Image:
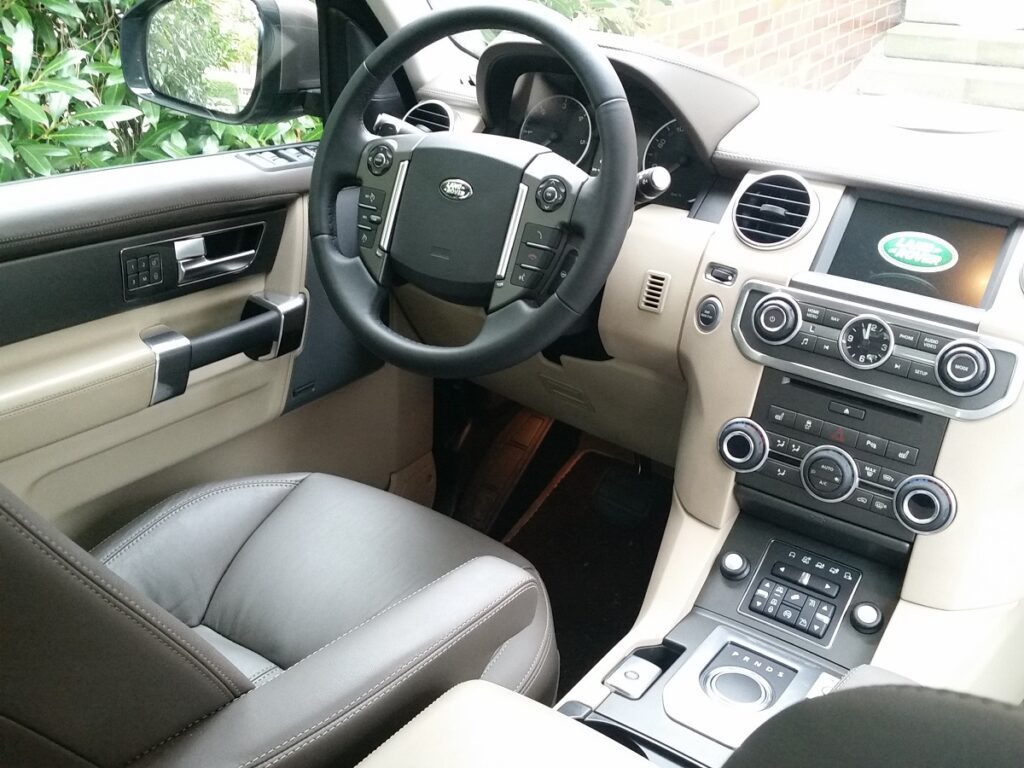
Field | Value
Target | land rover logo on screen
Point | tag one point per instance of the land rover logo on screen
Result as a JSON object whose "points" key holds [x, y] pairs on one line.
{"points": [[918, 252], [456, 189]]}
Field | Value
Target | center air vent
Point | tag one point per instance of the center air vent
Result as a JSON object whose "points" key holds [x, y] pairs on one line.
{"points": [[433, 115], [775, 209]]}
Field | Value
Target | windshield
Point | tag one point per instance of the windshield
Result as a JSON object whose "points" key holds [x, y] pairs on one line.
{"points": [[954, 50]]}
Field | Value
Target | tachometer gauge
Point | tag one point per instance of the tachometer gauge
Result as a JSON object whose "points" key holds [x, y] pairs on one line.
{"points": [[866, 342], [560, 123]]}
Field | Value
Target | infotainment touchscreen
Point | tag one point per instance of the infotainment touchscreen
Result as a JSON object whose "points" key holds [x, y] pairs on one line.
{"points": [[932, 254]]}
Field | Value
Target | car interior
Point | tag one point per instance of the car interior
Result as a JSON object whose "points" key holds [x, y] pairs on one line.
{"points": [[569, 401]]}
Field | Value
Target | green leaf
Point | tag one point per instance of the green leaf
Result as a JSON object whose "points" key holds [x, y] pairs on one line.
{"points": [[72, 86], [152, 154], [3, 120], [151, 112], [64, 8], [84, 136], [106, 113], [6, 150], [34, 155], [22, 42], [62, 60], [29, 110], [20, 13]]}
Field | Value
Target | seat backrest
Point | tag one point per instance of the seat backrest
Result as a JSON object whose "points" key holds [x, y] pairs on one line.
{"points": [[92, 673], [883, 726]]}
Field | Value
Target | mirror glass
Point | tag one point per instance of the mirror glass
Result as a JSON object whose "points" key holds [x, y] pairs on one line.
{"points": [[205, 52]]}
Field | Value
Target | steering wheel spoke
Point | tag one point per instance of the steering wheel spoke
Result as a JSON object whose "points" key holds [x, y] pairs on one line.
{"points": [[532, 263]]}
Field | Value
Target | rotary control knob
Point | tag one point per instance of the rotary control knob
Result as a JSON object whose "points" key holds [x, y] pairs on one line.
{"points": [[924, 504], [776, 318], [965, 368], [829, 474], [743, 445]]}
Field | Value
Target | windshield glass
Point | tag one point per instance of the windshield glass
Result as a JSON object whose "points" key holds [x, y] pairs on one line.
{"points": [[954, 50]]}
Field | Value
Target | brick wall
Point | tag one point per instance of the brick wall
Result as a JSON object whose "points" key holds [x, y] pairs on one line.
{"points": [[803, 43]]}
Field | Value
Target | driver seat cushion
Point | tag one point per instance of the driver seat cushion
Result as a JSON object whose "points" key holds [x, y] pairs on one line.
{"points": [[334, 611]]}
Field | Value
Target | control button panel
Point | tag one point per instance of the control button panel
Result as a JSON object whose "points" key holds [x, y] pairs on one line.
{"points": [[800, 590], [896, 358], [842, 457]]}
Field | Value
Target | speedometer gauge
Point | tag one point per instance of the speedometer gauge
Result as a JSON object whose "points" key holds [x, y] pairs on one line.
{"points": [[670, 148], [560, 123]]}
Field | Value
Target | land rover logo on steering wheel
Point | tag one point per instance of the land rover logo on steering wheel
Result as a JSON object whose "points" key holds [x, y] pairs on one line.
{"points": [[456, 189]]}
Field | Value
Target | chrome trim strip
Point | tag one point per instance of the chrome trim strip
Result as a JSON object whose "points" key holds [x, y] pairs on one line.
{"points": [[396, 195], [173, 353], [872, 390], [513, 230]]}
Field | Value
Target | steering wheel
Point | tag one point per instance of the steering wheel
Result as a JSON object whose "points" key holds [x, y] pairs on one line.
{"points": [[472, 218]]}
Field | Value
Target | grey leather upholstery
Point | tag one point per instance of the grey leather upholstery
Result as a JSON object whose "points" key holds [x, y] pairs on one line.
{"points": [[296, 619]]}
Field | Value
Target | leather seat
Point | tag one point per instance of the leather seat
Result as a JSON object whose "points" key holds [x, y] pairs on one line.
{"points": [[290, 619]]}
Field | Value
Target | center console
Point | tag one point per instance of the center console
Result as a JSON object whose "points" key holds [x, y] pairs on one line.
{"points": [[864, 361]]}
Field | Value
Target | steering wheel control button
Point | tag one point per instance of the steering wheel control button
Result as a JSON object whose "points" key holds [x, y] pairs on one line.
{"points": [[965, 368], [380, 159], [743, 445], [371, 199], [535, 258], [709, 314], [866, 618], [734, 566], [524, 277], [633, 677], [542, 237], [924, 504], [551, 194], [776, 319], [829, 474]]}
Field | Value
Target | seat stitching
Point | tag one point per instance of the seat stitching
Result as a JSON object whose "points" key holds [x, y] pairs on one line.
{"points": [[224, 678], [184, 504], [404, 672], [218, 684], [261, 672], [381, 613], [544, 645], [540, 651], [495, 657], [241, 546], [271, 671]]}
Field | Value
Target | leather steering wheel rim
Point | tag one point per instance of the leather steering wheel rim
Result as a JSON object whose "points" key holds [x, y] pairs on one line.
{"points": [[600, 216]]}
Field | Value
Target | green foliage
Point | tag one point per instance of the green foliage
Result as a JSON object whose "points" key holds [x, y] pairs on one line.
{"points": [[64, 105], [622, 17]]}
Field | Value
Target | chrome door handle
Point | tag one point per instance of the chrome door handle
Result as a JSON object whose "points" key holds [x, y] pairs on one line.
{"points": [[194, 264]]}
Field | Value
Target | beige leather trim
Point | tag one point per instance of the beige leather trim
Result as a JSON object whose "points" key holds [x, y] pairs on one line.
{"points": [[688, 551], [50, 390], [102, 438], [664, 240], [479, 723], [974, 651]]}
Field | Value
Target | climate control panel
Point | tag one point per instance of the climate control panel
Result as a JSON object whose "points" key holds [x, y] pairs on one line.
{"points": [[905, 360], [847, 457]]}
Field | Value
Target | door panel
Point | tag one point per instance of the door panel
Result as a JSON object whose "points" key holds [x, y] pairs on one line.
{"points": [[76, 425]]}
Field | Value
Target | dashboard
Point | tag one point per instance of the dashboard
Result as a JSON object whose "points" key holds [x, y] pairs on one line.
{"points": [[550, 108]]}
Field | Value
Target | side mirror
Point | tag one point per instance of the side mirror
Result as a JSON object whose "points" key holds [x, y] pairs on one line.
{"points": [[236, 61]]}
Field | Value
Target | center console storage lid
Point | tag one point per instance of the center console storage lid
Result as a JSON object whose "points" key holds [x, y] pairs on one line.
{"points": [[479, 723]]}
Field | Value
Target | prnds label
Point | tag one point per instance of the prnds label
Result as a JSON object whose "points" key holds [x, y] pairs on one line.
{"points": [[918, 252]]}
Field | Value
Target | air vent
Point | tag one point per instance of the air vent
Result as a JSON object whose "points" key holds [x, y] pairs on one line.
{"points": [[433, 115], [654, 292], [776, 209]]}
